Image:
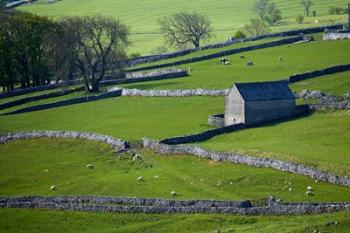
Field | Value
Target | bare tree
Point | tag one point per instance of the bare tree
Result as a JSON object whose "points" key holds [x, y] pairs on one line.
{"points": [[185, 28], [261, 7], [273, 14], [99, 46], [256, 27], [306, 4]]}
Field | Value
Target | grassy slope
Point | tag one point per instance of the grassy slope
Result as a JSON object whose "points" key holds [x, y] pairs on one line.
{"points": [[142, 16], [129, 118], [337, 84], [23, 165], [297, 58], [75, 222], [320, 140]]}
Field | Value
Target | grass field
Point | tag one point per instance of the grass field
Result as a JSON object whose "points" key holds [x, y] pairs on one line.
{"points": [[336, 84], [297, 58], [141, 16], [23, 165], [72, 222], [320, 140], [129, 118]]}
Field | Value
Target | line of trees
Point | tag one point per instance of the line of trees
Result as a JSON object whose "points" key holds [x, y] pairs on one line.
{"points": [[35, 50]]}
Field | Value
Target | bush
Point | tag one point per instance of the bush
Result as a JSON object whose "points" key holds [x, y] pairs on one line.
{"points": [[300, 19], [334, 10], [134, 55], [239, 34]]}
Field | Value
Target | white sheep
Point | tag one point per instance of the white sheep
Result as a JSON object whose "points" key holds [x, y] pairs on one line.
{"points": [[173, 193], [53, 187], [90, 166], [140, 178]]}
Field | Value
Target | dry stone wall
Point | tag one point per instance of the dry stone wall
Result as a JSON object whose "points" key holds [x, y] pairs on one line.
{"points": [[159, 206], [300, 169], [173, 93], [117, 144], [318, 73], [38, 97], [336, 36], [67, 102]]}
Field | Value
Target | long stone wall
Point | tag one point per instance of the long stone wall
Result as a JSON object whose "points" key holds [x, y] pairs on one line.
{"points": [[157, 57], [223, 53], [300, 169], [336, 36], [67, 102], [173, 93], [160, 206], [318, 73], [117, 144], [330, 105], [132, 77], [202, 136], [38, 97]]}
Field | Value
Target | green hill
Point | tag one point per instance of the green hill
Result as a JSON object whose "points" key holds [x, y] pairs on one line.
{"points": [[142, 16]]}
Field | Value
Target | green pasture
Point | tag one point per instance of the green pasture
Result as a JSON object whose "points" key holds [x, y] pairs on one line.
{"points": [[297, 58], [30, 167], [129, 118], [76, 222], [319, 140], [336, 84], [141, 16]]}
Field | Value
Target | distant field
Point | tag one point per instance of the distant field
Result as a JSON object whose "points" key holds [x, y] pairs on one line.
{"points": [[34, 221], [142, 16], [297, 58]]}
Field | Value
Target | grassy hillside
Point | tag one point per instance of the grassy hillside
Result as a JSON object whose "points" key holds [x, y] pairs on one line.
{"points": [[75, 222], [23, 165], [297, 58], [129, 118], [142, 16], [319, 140]]}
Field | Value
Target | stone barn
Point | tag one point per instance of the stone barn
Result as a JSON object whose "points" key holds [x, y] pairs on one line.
{"points": [[255, 103]]}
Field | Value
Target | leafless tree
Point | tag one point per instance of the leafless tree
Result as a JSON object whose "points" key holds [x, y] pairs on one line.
{"points": [[256, 27], [99, 46], [306, 4], [261, 7], [185, 28]]}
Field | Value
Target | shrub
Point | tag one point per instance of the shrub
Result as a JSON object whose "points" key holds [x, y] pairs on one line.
{"points": [[300, 19], [239, 34], [334, 10]]}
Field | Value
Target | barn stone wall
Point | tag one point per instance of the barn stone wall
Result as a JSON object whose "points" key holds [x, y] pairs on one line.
{"points": [[258, 112], [234, 107]]}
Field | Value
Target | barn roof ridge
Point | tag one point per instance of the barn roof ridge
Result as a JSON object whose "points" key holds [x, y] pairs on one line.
{"points": [[264, 91]]}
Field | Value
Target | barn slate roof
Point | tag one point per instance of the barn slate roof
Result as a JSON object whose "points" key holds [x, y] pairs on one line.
{"points": [[264, 91]]}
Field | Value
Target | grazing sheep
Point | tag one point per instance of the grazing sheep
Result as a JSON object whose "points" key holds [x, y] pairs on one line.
{"points": [[280, 58], [156, 176], [250, 63], [309, 193], [309, 188], [140, 179], [137, 157], [46, 170], [90, 166], [173, 193], [242, 57], [290, 189], [53, 188]]}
